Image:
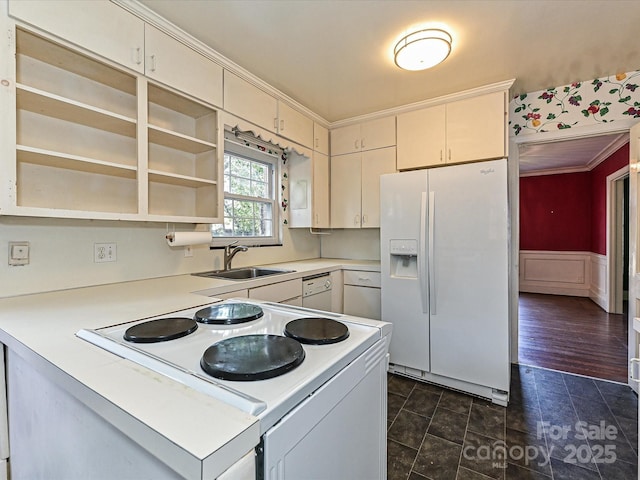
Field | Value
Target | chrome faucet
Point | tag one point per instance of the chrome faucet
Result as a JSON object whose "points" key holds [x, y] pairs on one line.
{"points": [[229, 253]]}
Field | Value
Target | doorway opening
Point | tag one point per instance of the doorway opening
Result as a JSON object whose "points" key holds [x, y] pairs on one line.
{"points": [[571, 299]]}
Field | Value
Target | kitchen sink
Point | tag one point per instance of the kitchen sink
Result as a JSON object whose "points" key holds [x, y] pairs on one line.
{"points": [[245, 273]]}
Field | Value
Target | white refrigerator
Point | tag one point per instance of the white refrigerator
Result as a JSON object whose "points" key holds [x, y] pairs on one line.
{"points": [[445, 242]]}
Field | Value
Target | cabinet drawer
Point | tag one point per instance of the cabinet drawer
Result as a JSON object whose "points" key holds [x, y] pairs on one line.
{"points": [[362, 278], [277, 292]]}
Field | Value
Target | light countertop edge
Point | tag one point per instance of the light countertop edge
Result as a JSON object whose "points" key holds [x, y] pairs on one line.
{"points": [[96, 377]]}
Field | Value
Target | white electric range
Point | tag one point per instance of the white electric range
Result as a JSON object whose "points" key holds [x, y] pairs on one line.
{"points": [[327, 396]]}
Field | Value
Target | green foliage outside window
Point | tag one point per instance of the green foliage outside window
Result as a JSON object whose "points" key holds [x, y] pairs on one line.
{"points": [[249, 203]]}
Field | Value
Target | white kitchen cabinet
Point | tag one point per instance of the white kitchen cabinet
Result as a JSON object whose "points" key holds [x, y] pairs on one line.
{"points": [[278, 292], [321, 188], [294, 125], [320, 139], [118, 35], [308, 190], [368, 135], [88, 147], [175, 64], [258, 107], [249, 102], [421, 137], [362, 294], [355, 187], [460, 131]]}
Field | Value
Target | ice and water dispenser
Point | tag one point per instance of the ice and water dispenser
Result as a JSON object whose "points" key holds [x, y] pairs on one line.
{"points": [[404, 258]]}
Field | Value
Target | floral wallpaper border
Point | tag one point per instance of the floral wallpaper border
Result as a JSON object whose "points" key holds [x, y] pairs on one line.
{"points": [[602, 100]]}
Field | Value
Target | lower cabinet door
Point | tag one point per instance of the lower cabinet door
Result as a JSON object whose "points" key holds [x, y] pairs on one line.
{"points": [[362, 302]]}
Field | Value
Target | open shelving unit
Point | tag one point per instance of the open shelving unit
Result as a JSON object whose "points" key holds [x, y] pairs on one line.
{"points": [[183, 155], [95, 141], [76, 131]]}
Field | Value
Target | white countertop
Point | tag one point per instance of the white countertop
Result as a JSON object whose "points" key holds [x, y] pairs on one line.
{"points": [[41, 328]]}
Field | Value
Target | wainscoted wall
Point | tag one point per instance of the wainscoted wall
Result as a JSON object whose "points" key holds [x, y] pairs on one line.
{"points": [[560, 273], [578, 274]]}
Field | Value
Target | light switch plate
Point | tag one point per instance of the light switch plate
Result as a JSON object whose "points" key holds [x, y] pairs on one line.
{"points": [[18, 253]]}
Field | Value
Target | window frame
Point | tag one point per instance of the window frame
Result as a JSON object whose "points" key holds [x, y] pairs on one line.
{"points": [[253, 154]]}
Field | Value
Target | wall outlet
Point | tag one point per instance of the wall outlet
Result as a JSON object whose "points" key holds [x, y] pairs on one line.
{"points": [[104, 252], [188, 251]]}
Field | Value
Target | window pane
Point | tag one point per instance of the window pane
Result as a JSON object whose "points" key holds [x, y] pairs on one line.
{"points": [[241, 167], [265, 211], [260, 190], [259, 172], [252, 215], [240, 186]]}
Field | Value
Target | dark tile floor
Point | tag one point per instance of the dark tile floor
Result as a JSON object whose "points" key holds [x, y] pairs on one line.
{"points": [[557, 426]]}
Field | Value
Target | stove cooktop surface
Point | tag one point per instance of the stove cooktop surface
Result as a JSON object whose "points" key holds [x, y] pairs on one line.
{"points": [[267, 398]]}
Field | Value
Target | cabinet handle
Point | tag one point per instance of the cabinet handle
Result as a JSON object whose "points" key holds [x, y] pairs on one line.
{"points": [[364, 279], [441, 155], [362, 143], [355, 144], [137, 58], [275, 123], [282, 125], [153, 63], [364, 219], [356, 220], [317, 143], [449, 154], [316, 218]]}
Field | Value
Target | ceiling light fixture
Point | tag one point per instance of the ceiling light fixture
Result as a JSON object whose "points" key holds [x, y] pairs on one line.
{"points": [[422, 49]]}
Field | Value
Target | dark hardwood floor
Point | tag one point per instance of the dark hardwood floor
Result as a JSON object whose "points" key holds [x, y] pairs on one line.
{"points": [[572, 334]]}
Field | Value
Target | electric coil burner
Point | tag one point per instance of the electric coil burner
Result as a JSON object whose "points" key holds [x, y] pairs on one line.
{"points": [[228, 314], [161, 330], [252, 357], [316, 330]]}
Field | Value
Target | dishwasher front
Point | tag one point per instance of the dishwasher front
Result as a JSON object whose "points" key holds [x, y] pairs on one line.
{"points": [[316, 292]]}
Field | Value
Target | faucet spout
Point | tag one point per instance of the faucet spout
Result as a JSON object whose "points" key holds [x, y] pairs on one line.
{"points": [[229, 253]]}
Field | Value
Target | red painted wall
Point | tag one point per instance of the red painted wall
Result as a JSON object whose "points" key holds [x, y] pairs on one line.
{"points": [[555, 212], [567, 212], [599, 197]]}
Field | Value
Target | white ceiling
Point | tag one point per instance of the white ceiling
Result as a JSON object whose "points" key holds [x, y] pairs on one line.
{"points": [[334, 56], [581, 154]]}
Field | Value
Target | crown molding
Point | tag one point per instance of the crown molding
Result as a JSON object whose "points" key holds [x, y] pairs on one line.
{"points": [[152, 18], [431, 102]]}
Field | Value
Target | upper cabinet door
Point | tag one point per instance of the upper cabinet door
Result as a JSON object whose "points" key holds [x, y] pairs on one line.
{"points": [[294, 125], [369, 135], [320, 139], [345, 139], [177, 65], [374, 164], [476, 128], [320, 218], [421, 138], [117, 36], [249, 102], [378, 133], [345, 191]]}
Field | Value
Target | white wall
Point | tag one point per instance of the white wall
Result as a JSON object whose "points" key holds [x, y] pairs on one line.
{"points": [[62, 253], [356, 244]]}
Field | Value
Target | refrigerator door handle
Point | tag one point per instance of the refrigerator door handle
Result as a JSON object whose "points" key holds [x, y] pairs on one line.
{"points": [[432, 267], [423, 266]]}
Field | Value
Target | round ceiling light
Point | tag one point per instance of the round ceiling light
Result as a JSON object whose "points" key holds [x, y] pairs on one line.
{"points": [[422, 49]]}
